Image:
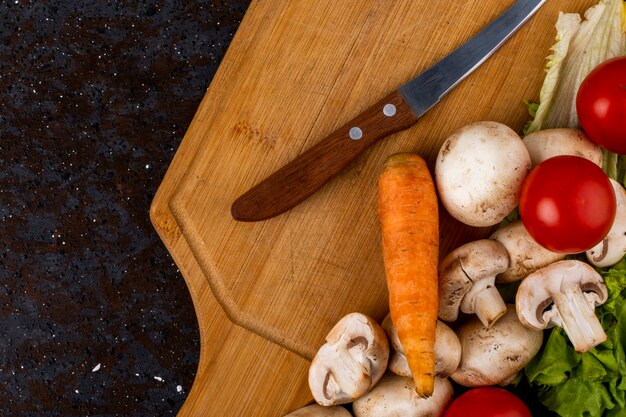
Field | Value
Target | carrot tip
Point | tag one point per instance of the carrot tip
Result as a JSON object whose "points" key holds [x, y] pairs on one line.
{"points": [[423, 395]]}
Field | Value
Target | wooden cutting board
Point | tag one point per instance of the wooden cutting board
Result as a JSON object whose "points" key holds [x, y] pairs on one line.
{"points": [[267, 293]]}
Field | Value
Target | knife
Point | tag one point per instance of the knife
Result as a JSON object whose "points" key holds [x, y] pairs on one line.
{"points": [[308, 172]]}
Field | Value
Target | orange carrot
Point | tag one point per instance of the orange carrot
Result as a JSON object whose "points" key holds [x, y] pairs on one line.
{"points": [[408, 212]]}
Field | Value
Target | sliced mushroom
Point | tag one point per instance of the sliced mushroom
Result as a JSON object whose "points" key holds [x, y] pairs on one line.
{"points": [[544, 144], [613, 247], [395, 396], [447, 350], [467, 281], [479, 173], [316, 410], [494, 356], [525, 254], [351, 362], [564, 294]]}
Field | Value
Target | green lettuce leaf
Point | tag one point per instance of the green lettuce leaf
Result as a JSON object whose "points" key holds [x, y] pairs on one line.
{"points": [[618, 392], [578, 397], [592, 369], [554, 364]]}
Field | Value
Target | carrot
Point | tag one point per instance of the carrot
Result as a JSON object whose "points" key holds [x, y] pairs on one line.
{"points": [[408, 212]]}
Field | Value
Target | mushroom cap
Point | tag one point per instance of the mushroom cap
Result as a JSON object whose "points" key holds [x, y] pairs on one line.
{"points": [[613, 247], [447, 350], [316, 410], [535, 297], [479, 173], [525, 254], [465, 267], [351, 362], [509, 380], [395, 396], [544, 144], [491, 356]]}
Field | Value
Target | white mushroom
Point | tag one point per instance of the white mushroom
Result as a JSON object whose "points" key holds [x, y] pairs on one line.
{"points": [[525, 254], [494, 356], [351, 362], [479, 173], [447, 350], [544, 144], [467, 281], [509, 380], [316, 410], [564, 294], [395, 396], [613, 247]]}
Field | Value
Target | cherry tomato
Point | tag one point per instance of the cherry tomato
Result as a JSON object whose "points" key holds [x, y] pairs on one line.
{"points": [[601, 105], [567, 204], [487, 402]]}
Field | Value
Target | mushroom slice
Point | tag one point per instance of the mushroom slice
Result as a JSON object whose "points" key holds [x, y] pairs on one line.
{"points": [[316, 410], [467, 281], [547, 143], [613, 247], [351, 362], [447, 350], [525, 254], [564, 294], [494, 356], [395, 396], [479, 172]]}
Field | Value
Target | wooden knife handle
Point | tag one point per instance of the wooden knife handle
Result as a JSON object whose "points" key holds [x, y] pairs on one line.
{"points": [[308, 172]]}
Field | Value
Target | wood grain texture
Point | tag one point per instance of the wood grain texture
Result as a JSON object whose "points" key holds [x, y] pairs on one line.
{"points": [[306, 174], [294, 73]]}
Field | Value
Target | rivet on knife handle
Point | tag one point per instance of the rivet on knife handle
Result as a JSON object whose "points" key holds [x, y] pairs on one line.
{"points": [[304, 175], [300, 178]]}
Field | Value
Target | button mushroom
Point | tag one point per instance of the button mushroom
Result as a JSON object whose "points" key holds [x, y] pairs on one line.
{"points": [[395, 396], [544, 144], [479, 173], [525, 254], [613, 247], [316, 410], [564, 294], [447, 350], [351, 362], [466, 281], [494, 356]]}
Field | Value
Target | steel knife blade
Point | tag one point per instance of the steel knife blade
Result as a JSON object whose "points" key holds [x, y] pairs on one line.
{"points": [[308, 172]]}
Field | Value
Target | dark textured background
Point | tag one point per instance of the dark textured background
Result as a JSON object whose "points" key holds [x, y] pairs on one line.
{"points": [[95, 97]]}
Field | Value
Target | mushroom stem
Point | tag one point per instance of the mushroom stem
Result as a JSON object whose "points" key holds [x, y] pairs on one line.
{"points": [[488, 303], [579, 320], [351, 373], [564, 293]]}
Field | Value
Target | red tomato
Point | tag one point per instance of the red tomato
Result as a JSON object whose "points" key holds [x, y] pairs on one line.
{"points": [[601, 105], [567, 204], [487, 402]]}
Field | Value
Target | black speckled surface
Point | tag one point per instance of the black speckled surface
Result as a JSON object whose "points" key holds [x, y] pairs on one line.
{"points": [[95, 96]]}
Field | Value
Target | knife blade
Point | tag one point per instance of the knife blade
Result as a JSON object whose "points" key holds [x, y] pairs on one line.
{"points": [[308, 172]]}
